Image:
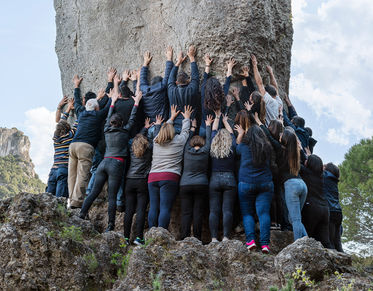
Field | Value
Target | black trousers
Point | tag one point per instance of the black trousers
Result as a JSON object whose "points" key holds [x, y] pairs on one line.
{"points": [[222, 195], [315, 219], [136, 198], [110, 170], [335, 221], [192, 199]]}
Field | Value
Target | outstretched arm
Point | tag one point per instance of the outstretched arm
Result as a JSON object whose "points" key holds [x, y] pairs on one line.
{"points": [[257, 77], [169, 65], [215, 125], [132, 118], [77, 98], [175, 69], [230, 64], [272, 78], [59, 108], [194, 83], [226, 124]]}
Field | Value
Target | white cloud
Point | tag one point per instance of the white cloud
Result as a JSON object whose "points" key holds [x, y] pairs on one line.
{"points": [[337, 137], [39, 127], [332, 65]]}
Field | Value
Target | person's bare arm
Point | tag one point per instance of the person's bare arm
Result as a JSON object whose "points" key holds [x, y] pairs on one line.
{"points": [[59, 108], [226, 124], [272, 78], [257, 77], [215, 125], [208, 60]]}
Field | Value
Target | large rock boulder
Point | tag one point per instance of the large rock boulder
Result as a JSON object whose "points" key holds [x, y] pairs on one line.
{"points": [[93, 35]]}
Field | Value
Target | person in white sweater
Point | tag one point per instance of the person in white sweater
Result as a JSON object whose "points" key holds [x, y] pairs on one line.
{"points": [[165, 172]]}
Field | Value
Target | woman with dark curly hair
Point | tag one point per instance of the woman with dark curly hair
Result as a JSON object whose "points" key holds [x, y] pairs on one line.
{"points": [[212, 93]]}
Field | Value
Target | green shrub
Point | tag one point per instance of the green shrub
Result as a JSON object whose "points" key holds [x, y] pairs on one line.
{"points": [[72, 232], [91, 262]]}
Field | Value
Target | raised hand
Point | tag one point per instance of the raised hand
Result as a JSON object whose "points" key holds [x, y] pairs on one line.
{"points": [[209, 120], [77, 81], [239, 129], [187, 111], [208, 60], [70, 104], [248, 106], [225, 118], [169, 53], [63, 101], [126, 75], [192, 53], [137, 97], [147, 123], [236, 93], [217, 113], [158, 119], [117, 79], [110, 74], [174, 112], [231, 63], [254, 60], [180, 59], [133, 75], [245, 71], [147, 58], [194, 123], [100, 94], [229, 100], [269, 70]]}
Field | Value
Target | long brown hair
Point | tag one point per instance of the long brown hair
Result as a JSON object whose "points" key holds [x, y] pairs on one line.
{"points": [[259, 105], [166, 134], [242, 119], [292, 151], [275, 127], [139, 145]]}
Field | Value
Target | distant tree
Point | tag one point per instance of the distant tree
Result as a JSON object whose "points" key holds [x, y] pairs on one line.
{"points": [[356, 190]]}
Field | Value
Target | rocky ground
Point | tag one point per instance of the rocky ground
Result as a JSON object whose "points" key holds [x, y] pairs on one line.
{"points": [[43, 246]]}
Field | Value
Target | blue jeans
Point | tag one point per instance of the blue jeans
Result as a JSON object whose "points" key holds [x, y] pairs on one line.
{"points": [[57, 182], [97, 158], [162, 195], [259, 197], [295, 197]]}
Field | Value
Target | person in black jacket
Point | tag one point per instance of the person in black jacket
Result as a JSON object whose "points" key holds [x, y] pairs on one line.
{"points": [[137, 196], [183, 91], [194, 183], [315, 213], [331, 179], [154, 99], [111, 168]]}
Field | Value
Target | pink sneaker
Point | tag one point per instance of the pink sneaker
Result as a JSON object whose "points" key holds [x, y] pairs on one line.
{"points": [[251, 245], [265, 249]]}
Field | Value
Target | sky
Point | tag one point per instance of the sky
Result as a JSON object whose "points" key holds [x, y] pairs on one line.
{"points": [[331, 73]]}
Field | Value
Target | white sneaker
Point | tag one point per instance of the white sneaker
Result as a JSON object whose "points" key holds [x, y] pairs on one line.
{"points": [[225, 239], [68, 203], [214, 240]]}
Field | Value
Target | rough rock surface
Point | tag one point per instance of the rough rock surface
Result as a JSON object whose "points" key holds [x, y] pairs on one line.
{"points": [[93, 35], [14, 142], [43, 246]]}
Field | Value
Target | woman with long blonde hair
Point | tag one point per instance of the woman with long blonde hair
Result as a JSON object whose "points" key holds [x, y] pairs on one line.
{"points": [[164, 176], [223, 186]]}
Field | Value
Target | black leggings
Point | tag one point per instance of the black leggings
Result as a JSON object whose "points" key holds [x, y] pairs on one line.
{"points": [[137, 198], [223, 192], [335, 221], [315, 219], [192, 198], [110, 170]]}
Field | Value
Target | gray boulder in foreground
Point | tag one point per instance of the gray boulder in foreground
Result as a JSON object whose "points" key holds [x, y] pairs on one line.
{"points": [[93, 35], [43, 246]]}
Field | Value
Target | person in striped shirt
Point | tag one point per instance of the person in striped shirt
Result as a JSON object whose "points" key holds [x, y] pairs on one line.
{"points": [[63, 135]]}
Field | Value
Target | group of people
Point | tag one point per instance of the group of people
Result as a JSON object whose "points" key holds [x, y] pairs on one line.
{"points": [[239, 154]]}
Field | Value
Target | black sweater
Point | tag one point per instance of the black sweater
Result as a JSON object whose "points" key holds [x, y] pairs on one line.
{"points": [[282, 160], [315, 194], [116, 138]]}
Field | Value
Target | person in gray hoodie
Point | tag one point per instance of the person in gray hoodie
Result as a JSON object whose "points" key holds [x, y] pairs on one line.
{"points": [[194, 183], [164, 176]]}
